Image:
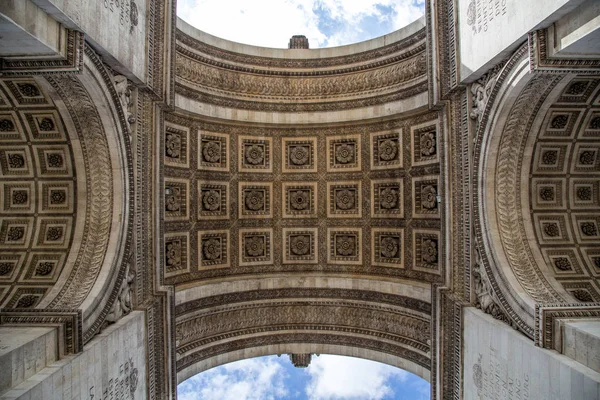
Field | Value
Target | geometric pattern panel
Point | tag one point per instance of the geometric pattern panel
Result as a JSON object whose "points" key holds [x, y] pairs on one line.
{"points": [[564, 189], [38, 187], [342, 199]]}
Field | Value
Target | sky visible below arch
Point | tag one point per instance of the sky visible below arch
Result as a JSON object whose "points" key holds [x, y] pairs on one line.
{"points": [[326, 23], [328, 377]]}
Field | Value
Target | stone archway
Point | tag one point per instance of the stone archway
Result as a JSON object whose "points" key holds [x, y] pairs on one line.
{"points": [[531, 134]]}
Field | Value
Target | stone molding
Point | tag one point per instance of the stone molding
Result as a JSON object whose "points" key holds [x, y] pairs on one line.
{"points": [[540, 60], [548, 331], [68, 322], [70, 62]]}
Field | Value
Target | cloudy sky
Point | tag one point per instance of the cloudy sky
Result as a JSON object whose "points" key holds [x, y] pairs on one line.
{"points": [[327, 378], [326, 23]]}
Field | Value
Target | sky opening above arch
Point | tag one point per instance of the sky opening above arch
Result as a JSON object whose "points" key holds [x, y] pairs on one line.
{"points": [[326, 23], [328, 377]]}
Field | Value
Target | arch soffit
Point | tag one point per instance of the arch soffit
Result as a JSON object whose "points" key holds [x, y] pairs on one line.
{"points": [[98, 198], [302, 348], [518, 105]]}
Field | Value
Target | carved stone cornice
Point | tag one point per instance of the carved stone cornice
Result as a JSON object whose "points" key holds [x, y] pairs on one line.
{"points": [[71, 62], [307, 338], [200, 96], [231, 57], [290, 89], [541, 60], [69, 323], [548, 332], [270, 294]]}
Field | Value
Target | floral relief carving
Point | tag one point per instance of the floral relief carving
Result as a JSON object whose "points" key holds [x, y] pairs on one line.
{"points": [[255, 200], [26, 301], [6, 268], [547, 193], [300, 245], [584, 193], [299, 155], [55, 160], [577, 88], [212, 249], [551, 229], [388, 198], [595, 123], [173, 145], [587, 157], [559, 122], [344, 153], [173, 254], [429, 197], [20, 197], [389, 247], [211, 200], [428, 143], [44, 268], [589, 229], [582, 295], [255, 154], [429, 251], [345, 245], [255, 246], [172, 199], [28, 90], [388, 150], [16, 161], [345, 199], [300, 199], [550, 157], [562, 263], [15, 233], [46, 124], [54, 233], [211, 152], [6, 125]]}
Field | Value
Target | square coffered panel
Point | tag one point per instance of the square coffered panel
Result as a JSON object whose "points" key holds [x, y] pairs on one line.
{"points": [[387, 246], [177, 145], [177, 199], [425, 143], [214, 248], [425, 194], [387, 199], [213, 151], [255, 246], [299, 154], [213, 200], [344, 199], [300, 246], [299, 200], [255, 154], [386, 150], [343, 153], [426, 251], [344, 245], [255, 200], [177, 253]]}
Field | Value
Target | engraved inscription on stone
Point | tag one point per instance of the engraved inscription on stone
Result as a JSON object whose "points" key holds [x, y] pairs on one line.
{"points": [[481, 13]]}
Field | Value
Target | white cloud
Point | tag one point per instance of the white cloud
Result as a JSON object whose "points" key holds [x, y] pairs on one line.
{"points": [[272, 22], [251, 379], [337, 378]]}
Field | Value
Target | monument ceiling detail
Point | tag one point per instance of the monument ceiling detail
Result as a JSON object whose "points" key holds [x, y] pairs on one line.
{"points": [[239, 201]]}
